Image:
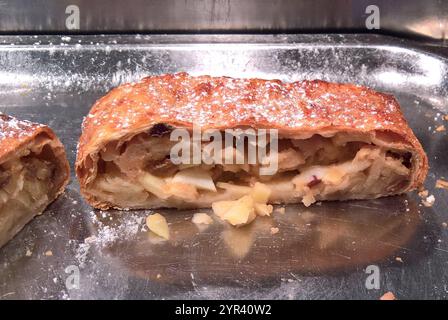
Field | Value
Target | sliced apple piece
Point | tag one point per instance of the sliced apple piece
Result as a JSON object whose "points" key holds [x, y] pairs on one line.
{"points": [[220, 208], [183, 191], [237, 213], [260, 193], [201, 218], [332, 174], [197, 177], [154, 185], [235, 189], [308, 199], [262, 209], [116, 184], [157, 224]]}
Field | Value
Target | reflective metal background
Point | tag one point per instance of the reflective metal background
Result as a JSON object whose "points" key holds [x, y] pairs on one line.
{"points": [[412, 18], [319, 252]]}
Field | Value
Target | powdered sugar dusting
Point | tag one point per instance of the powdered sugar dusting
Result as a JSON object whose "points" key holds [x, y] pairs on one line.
{"points": [[223, 102], [11, 127], [109, 232]]}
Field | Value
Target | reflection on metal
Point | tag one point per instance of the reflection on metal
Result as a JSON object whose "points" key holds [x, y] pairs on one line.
{"points": [[323, 239], [412, 18], [93, 64]]}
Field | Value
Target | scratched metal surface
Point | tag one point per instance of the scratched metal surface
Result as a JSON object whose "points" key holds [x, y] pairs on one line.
{"points": [[320, 252]]}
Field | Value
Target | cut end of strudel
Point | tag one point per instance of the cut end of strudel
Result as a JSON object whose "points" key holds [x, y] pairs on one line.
{"points": [[336, 142], [33, 172]]}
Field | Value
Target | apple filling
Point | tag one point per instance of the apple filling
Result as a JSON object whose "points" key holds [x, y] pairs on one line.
{"points": [[138, 173], [28, 182]]}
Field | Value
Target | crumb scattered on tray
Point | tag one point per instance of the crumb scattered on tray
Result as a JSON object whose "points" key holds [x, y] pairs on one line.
{"points": [[244, 210], [423, 193], [48, 253], [28, 253], [399, 259], [157, 224], [444, 224], [262, 209], [388, 296], [90, 239], [274, 230], [201, 218], [429, 201], [159, 276], [441, 128], [441, 184], [445, 117], [236, 212]]}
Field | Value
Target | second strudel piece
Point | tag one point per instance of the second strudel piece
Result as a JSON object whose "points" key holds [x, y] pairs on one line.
{"points": [[33, 171]]}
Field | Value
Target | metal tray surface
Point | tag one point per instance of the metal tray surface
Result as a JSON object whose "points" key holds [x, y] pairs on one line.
{"points": [[320, 252]]}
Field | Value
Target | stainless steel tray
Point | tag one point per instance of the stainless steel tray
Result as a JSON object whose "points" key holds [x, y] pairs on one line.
{"points": [[319, 252]]}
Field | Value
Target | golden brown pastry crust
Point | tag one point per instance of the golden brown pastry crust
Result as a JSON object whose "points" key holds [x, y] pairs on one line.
{"points": [[295, 109]]}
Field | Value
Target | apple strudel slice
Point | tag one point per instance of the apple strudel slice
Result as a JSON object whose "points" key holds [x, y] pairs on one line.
{"points": [[334, 142], [33, 172]]}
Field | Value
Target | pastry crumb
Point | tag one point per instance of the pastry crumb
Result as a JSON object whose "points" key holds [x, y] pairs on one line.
{"points": [[388, 296], [429, 201], [399, 259], [423, 193], [308, 199], [28, 253], [441, 128], [90, 239], [159, 276], [48, 253], [201, 218], [263, 209], [441, 184], [244, 210], [237, 212], [158, 225], [274, 230], [444, 224], [260, 193]]}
